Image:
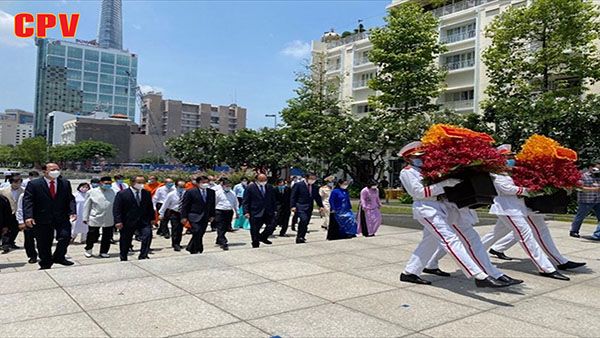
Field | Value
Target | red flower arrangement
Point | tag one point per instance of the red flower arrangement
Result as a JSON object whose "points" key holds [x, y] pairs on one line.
{"points": [[545, 167], [450, 155]]}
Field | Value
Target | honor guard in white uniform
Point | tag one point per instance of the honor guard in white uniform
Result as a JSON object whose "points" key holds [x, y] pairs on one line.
{"points": [[433, 214], [511, 211]]}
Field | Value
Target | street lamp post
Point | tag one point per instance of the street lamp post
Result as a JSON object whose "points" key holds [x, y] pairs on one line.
{"points": [[273, 116]]}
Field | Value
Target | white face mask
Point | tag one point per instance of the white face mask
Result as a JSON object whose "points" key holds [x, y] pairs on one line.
{"points": [[138, 186], [311, 181], [204, 185], [373, 187], [262, 183], [54, 173], [344, 186]]}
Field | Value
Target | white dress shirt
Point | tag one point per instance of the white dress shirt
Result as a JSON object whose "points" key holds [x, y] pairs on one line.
{"points": [[160, 196], [116, 187], [19, 213], [172, 202], [226, 200]]}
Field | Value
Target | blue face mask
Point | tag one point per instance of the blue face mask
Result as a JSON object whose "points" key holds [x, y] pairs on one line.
{"points": [[95, 185], [281, 187], [107, 186], [120, 181], [511, 163], [170, 185], [417, 162]]}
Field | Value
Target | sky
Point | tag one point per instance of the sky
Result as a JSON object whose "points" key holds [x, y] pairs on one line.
{"points": [[219, 52]]}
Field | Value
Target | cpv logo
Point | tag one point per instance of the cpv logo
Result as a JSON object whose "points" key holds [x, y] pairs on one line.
{"points": [[43, 22]]}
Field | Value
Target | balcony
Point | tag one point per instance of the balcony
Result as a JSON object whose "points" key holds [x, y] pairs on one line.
{"points": [[459, 65], [348, 39], [458, 6], [360, 84], [458, 37], [361, 60], [334, 68], [459, 105]]}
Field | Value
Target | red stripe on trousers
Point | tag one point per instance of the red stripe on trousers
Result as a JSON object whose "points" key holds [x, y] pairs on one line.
{"points": [[470, 248], [523, 243], [449, 248], [532, 223]]}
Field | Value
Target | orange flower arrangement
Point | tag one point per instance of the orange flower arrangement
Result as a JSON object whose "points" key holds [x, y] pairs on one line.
{"points": [[538, 146], [440, 132]]}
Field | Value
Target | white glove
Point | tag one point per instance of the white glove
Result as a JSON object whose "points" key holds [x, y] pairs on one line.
{"points": [[451, 182]]}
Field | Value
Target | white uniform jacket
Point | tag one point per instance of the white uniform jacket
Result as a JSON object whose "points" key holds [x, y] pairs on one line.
{"points": [[508, 201], [425, 203]]}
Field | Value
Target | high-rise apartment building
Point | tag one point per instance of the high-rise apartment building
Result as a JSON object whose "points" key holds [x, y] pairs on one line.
{"points": [[168, 118], [461, 29], [80, 77], [110, 29]]}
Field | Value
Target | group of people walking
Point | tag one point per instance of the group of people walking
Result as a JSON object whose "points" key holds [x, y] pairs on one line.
{"points": [[46, 209], [449, 229]]}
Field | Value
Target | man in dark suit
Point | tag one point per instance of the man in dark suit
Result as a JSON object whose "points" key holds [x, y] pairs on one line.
{"points": [[49, 207], [259, 206], [133, 211], [198, 207], [303, 195], [282, 215]]}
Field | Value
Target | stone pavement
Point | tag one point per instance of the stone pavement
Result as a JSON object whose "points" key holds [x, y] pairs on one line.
{"points": [[346, 288]]}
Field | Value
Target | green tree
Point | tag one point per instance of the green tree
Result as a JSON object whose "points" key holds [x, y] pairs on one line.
{"points": [[6, 154], [63, 153], [32, 151], [541, 62], [89, 150], [406, 51], [199, 147]]}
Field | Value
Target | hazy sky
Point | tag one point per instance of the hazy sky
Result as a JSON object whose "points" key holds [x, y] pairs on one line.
{"points": [[197, 51]]}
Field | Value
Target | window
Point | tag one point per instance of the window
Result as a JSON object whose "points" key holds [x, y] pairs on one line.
{"points": [[120, 110], [56, 49], [90, 87], [89, 97], [73, 74], [104, 89], [91, 55], [122, 91], [460, 96], [89, 107], [73, 84], [90, 66], [73, 64], [105, 99], [92, 77], [122, 71], [363, 109], [120, 100], [107, 69], [74, 52], [134, 62], [123, 60], [121, 81], [108, 58], [108, 79], [56, 61]]}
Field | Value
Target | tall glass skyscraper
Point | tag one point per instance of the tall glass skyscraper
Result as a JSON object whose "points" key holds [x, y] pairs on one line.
{"points": [[110, 29], [81, 77]]}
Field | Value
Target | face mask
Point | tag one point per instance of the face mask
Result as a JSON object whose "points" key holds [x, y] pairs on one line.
{"points": [[170, 185], [311, 181], [262, 183], [344, 186], [244, 183], [373, 187], [120, 181], [281, 187], [227, 189], [180, 188], [151, 181], [138, 186], [511, 163], [204, 185], [95, 185], [417, 162], [107, 186], [330, 184], [54, 173]]}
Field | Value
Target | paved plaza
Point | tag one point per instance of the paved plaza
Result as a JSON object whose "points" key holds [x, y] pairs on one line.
{"points": [[347, 288]]}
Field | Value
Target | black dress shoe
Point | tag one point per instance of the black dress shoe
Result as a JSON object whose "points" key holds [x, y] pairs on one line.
{"points": [[300, 241], [509, 280], [570, 265], [32, 260], [255, 245], [64, 262], [412, 278], [266, 241], [5, 250], [225, 247], [490, 282], [167, 236], [44, 267], [284, 235], [143, 257], [555, 275], [436, 272], [574, 234], [177, 247], [14, 246], [500, 255]]}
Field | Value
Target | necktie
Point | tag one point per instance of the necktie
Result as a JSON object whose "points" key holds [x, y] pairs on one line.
{"points": [[120, 187], [137, 197], [262, 190], [310, 189], [203, 194], [52, 190]]}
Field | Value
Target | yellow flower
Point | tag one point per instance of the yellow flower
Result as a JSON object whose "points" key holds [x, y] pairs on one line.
{"points": [[438, 132], [538, 146]]}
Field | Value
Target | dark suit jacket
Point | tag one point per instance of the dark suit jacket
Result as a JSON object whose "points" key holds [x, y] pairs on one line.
{"points": [[196, 209], [302, 200], [258, 205], [127, 211], [38, 204], [7, 219], [283, 199]]}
